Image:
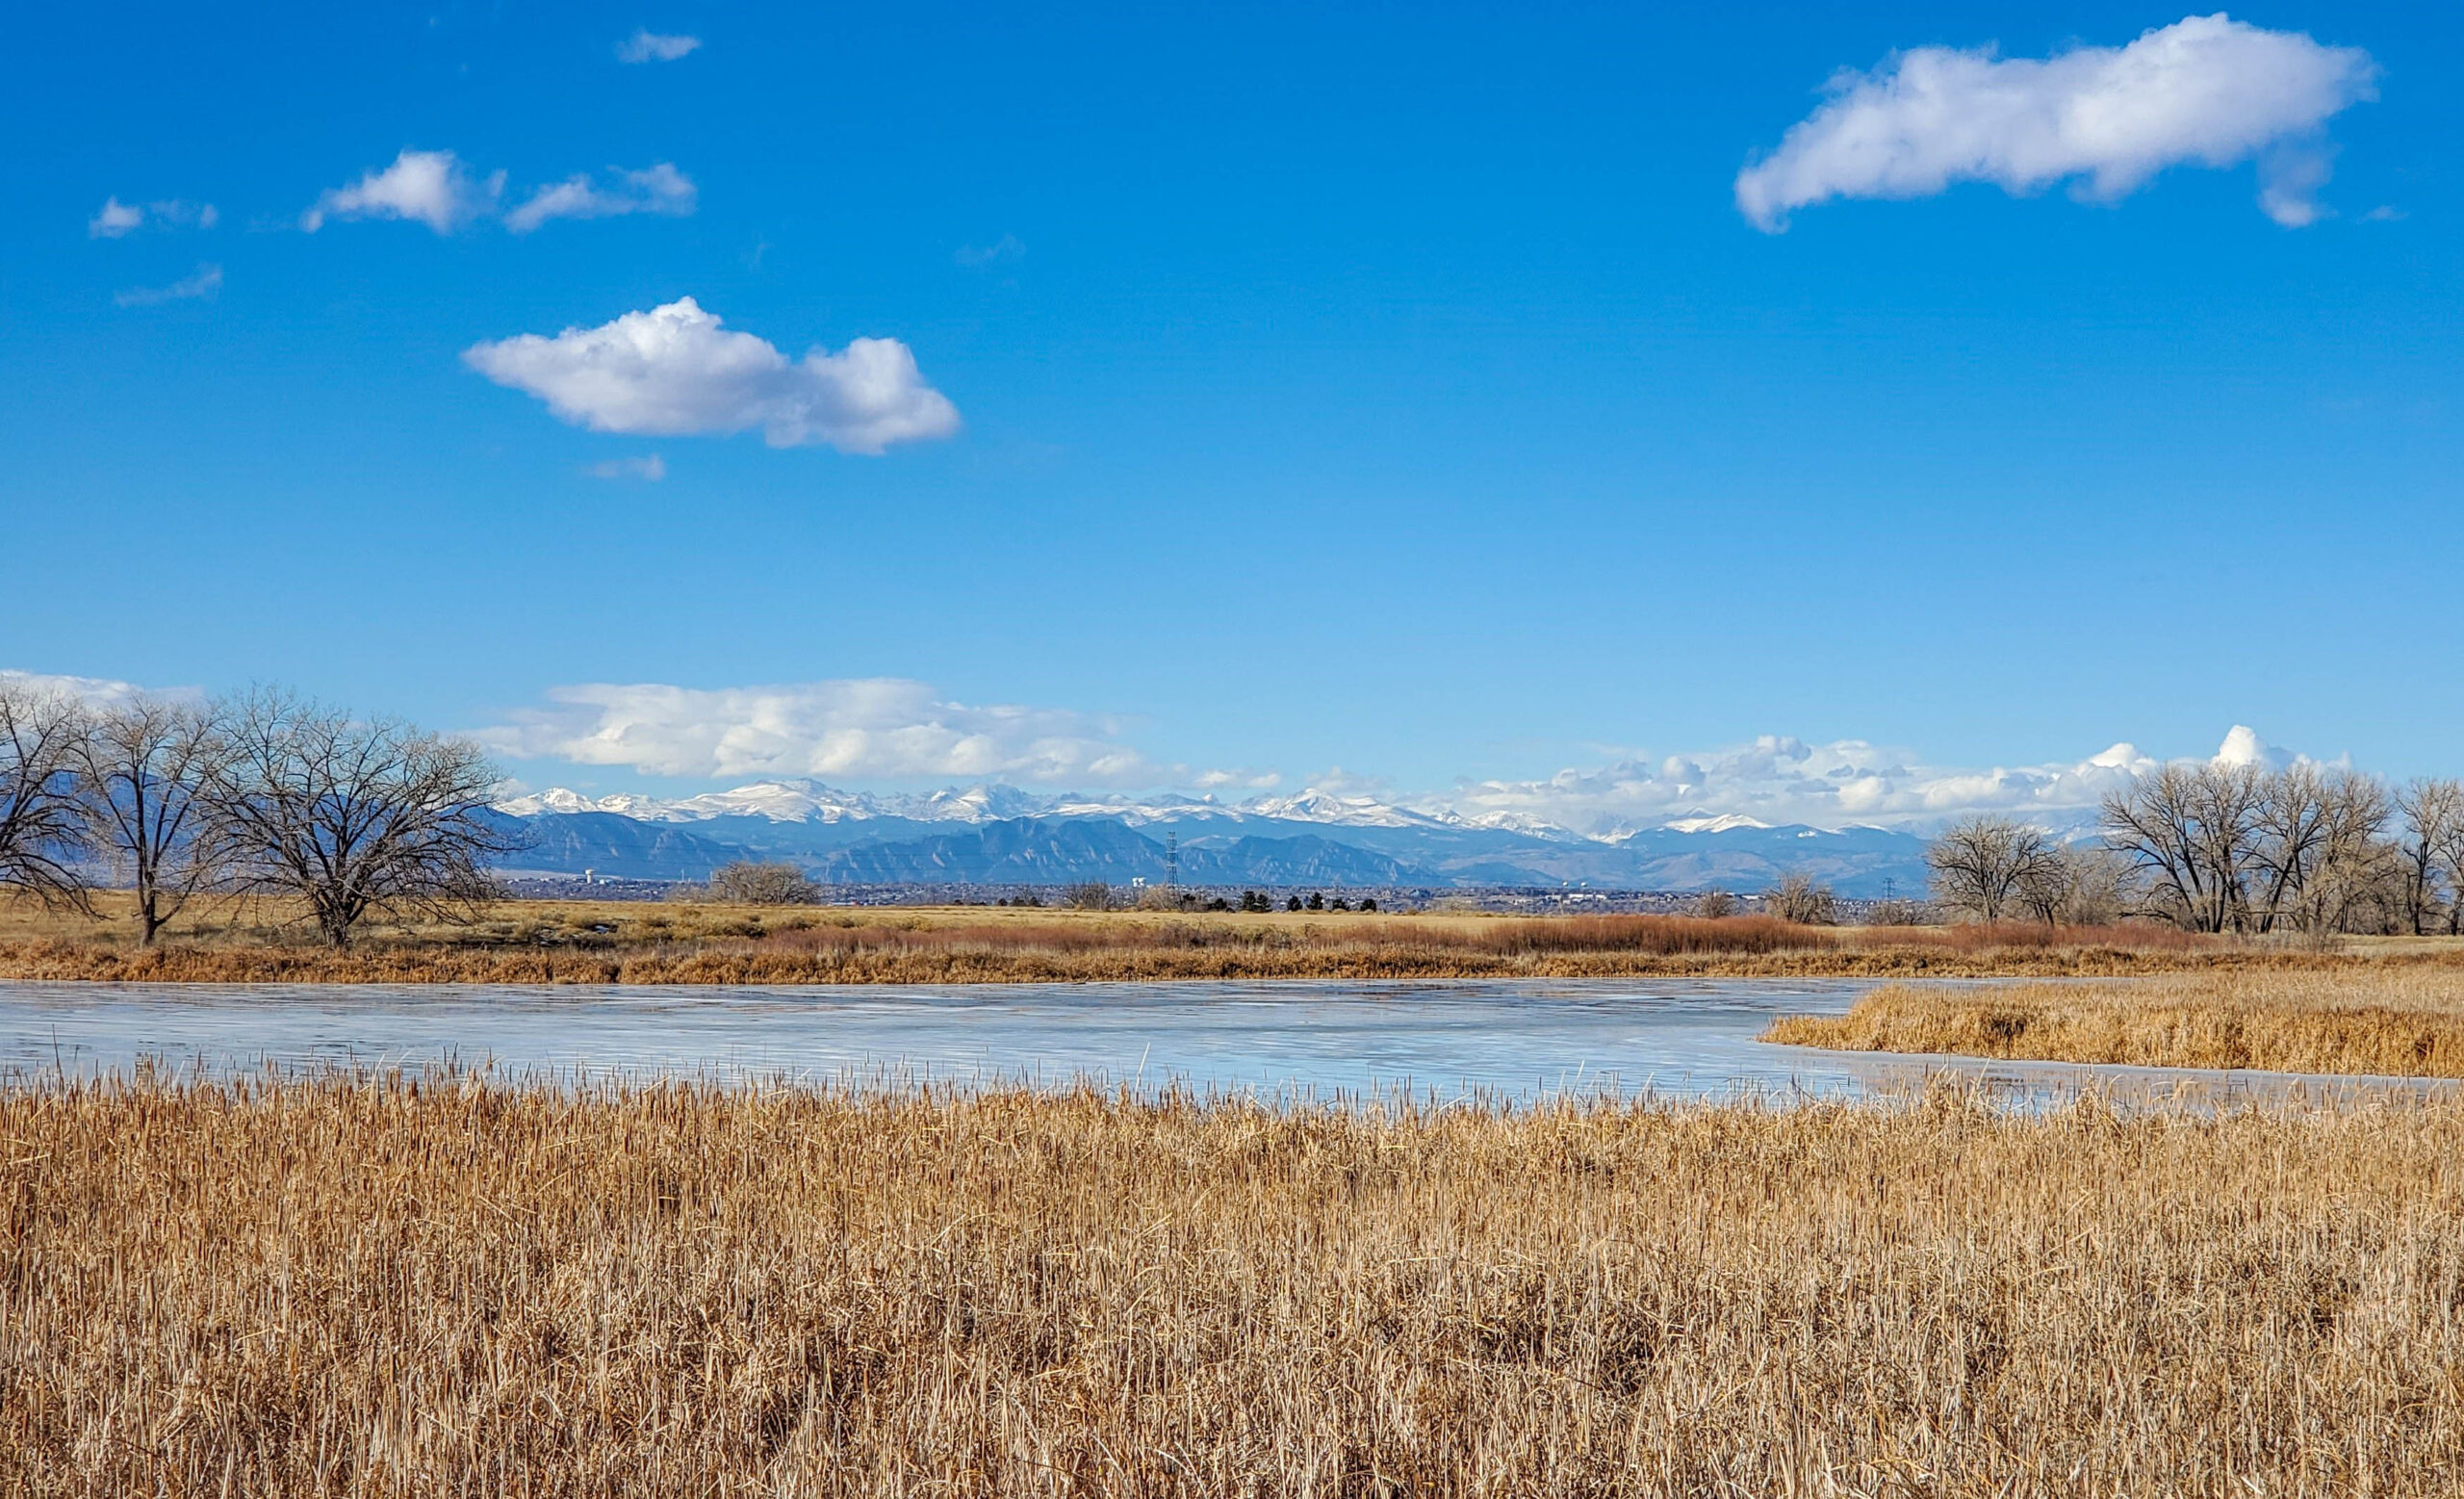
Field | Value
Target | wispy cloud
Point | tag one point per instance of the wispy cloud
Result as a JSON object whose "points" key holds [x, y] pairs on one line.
{"points": [[858, 729], [116, 220], [674, 371], [2207, 90], [433, 188], [1001, 251], [650, 470], [206, 283], [439, 190], [658, 189], [644, 45]]}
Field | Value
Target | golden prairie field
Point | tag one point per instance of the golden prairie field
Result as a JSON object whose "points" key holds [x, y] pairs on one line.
{"points": [[365, 1286], [645, 943], [2396, 1019]]}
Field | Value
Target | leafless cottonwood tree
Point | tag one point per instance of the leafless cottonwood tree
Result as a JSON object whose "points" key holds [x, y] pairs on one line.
{"points": [[2078, 885], [146, 769], [2193, 832], [1798, 898], [750, 884], [2432, 855], [2302, 851], [1985, 866], [355, 817], [42, 827], [1716, 904]]}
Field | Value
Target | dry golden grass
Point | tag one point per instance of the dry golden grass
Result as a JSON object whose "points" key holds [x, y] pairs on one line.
{"points": [[339, 1287], [638, 943], [2396, 1017]]}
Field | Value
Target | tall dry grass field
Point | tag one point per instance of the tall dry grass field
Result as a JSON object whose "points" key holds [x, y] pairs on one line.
{"points": [[2390, 1018], [346, 1287], [643, 942]]}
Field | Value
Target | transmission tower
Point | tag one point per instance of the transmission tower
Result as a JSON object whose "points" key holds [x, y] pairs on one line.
{"points": [[1171, 859]]}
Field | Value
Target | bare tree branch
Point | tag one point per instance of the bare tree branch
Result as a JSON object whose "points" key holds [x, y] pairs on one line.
{"points": [[147, 769], [43, 825], [357, 818]]}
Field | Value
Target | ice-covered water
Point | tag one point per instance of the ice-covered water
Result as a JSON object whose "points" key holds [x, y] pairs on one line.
{"points": [[1518, 1040]]}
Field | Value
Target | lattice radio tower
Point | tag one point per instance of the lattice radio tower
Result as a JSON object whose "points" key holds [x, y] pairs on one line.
{"points": [[1171, 859]]}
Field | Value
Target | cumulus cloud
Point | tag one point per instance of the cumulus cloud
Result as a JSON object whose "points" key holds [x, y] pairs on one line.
{"points": [[2207, 90], [115, 219], [432, 188], [206, 283], [646, 45], [1782, 779], [675, 371], [858, 729], [658, 189], [650, 470]]}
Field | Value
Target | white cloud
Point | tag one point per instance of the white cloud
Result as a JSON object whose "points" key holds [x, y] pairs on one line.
{"points": [[874, 727], [983, 257], [658, 189], [1782, 779], [432, 188], [674, 372], [2206, 91], [650, 470], [206, 283], [115, 219], [646, 45], [98, 691]]}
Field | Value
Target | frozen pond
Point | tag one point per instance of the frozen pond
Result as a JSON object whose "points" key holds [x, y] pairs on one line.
{"points": [[1519, 1040]]}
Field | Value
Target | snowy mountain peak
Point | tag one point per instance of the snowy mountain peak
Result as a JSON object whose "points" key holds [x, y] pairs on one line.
{"points": [[1357, 811], [1726, 822]]}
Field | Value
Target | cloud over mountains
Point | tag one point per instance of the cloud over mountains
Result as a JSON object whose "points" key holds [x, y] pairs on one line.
{"points": [[2207, 90], [896, 729], [859, 729]]}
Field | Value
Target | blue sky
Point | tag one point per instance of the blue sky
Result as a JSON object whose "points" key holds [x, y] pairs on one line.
{"points": [[1403, 390]]}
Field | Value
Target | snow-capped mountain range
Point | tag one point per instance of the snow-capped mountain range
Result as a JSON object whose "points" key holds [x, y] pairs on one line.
{"points": [[813, 801], [997, 834]]}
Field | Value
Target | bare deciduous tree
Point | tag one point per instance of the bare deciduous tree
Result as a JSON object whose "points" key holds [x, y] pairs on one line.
{"points": [[2303, 850], [2192, 831], [1714, 904], [355, 817], [2077, 885], [2352, 883], [147, 769], [1985, 866], [2432, 810], [1798, 898], [42, 827], [1089, 895], [747, 883]]}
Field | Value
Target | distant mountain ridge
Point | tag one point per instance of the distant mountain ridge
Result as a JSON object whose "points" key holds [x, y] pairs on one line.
{"points": [[1000, 835]]}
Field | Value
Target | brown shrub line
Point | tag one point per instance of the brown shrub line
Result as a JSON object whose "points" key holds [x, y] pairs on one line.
{"points": [[342, 1286], [878, 956], [2401, 1020]]}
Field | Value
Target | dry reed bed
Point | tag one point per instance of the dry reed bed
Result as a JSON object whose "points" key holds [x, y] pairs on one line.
{"points": [[2390, 1018], [353, 1288], [807, 947]]}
